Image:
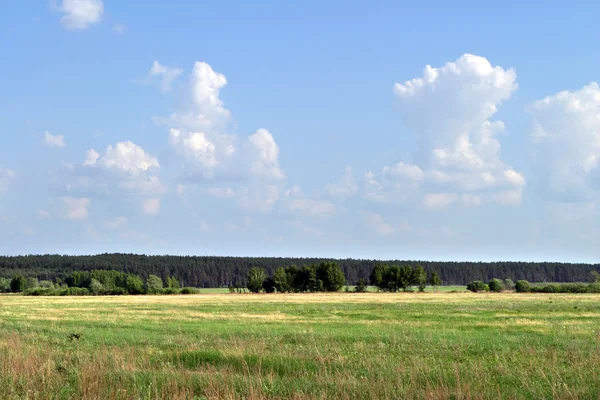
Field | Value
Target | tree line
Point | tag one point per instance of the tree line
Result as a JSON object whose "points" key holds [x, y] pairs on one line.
{"points": [[322, 277], [212, 271], [523, 286], [96, 282]]}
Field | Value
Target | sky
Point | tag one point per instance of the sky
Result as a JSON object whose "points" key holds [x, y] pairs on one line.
{"points": [[349, 129]]}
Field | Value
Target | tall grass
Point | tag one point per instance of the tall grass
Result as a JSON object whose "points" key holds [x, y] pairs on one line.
{"points": [[342, 346]]}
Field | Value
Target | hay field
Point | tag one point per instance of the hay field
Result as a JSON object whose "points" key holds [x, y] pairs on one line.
{"points": [[339, 346]]}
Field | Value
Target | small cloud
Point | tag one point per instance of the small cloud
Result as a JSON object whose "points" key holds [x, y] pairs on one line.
{"points": [[54, 141], [378, 224], [76, 208], [43, 214], [80, 14], [119, 28], [166, 74]]}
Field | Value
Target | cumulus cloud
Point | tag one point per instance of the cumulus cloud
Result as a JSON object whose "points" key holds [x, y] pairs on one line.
{"points": [[378, 224], [151, 206], [200, 134], [123, 157], [449, 109], [80, 14], [166, 74], [566, 143], [345, 188], [54, 141], [6, 176], [76, 209]]}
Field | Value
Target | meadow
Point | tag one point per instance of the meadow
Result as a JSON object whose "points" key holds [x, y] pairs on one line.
{"points": [[300, 346]]}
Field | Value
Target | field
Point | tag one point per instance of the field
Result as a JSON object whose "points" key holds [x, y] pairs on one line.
{"points": [[343, 345]]}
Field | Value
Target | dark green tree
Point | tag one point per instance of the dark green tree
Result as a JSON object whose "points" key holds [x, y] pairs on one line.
{"points": [[330, 276], [361, 286], [17, 284], [268, 285], [496, 285], [434, 280], [134, 284], [379, 276], [256, 277], [281, 282], [477, 286], [522, 286], [420, 278]]}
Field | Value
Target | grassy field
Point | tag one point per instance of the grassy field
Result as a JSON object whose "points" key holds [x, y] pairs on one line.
{"points": [[350, 346]]}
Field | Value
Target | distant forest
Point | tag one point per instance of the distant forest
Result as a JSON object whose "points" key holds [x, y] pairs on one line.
{"points": [[225, 271]]}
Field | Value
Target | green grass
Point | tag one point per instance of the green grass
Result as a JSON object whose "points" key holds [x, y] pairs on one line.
{"points": [[352, 346]]}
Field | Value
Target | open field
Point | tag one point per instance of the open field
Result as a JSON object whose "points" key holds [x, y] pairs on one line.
{"points": [[372, 346]]}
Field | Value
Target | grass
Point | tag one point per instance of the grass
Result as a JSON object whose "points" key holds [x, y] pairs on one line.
{"points": [[343, 345]]}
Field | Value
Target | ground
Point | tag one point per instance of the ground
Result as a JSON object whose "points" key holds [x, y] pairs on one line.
{"points": [[340, 345]]}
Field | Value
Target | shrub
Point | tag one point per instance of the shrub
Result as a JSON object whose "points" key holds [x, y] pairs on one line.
{"points": [[361, 286], [269, 285], [496, 285], [190, 290], [509, 284], [523, 286], [170, 290], [477, 286]]}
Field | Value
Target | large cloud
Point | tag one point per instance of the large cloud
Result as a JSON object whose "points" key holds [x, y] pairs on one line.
{"points": [[80, 14], [566, 143], [449, 110], [200, 133]]}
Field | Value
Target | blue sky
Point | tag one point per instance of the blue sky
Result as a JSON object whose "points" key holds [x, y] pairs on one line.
{"points": [[445, 131]]}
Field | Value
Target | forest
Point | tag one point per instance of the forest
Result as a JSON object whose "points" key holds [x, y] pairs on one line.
{"points": [[213, 271]]}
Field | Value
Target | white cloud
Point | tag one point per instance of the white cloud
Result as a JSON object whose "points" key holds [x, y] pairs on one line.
{"points": [[124, 157], [151, 206], [346, 188], [6, 176], [116, 222], [76, 209], [54, 141], [439, 200], [119, 28], [200, 134], [378, 224], [449, 110], [80, 14], [166, 74], [265, 163], [566, 143]]}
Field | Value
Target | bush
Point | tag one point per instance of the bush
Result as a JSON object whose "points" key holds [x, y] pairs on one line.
{"points": [[190, 290], [170, 290], [523, 286], [477, 286], [509, 284], [361, 286], [496, 285]]}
